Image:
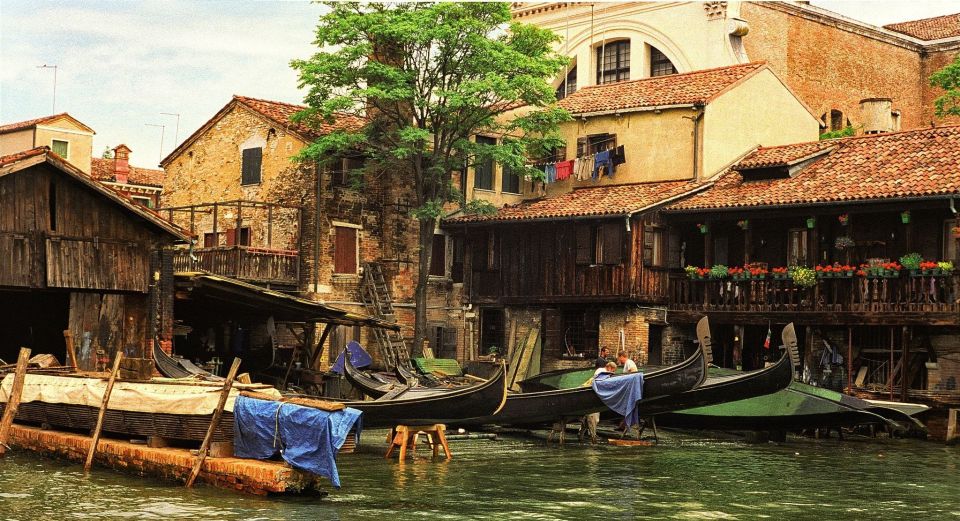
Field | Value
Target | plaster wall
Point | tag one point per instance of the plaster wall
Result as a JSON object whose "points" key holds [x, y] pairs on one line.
{"points": [[13, 142]]}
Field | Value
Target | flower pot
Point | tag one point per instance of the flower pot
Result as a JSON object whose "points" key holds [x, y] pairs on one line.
{"points": [[926, 272], [905, 217], [850, 273], [914, 273], [811, 222]]}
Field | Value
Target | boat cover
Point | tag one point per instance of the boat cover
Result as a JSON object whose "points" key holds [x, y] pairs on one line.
{"points": [[307, 438], [621, 394], [160, 396], [358, 358]]}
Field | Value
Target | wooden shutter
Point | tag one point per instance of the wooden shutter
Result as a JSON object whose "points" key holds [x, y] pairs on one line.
{"points": [[585, 244], [612, 249], [478, 248], [345, 250], [252, 159], [583, 144], [493, 251], [457, 266], [231, 237], [438, 257]]}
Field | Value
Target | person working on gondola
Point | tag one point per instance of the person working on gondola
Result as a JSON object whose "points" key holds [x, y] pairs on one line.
{"points": [[601, 361], [588, 424], [629, 366]]}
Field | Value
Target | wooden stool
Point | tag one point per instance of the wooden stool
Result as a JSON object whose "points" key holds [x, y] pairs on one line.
{"points": [[404, 435]]}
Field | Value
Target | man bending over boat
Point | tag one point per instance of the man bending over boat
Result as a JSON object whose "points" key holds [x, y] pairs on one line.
{"points": [[588, 424], [629, 366]]}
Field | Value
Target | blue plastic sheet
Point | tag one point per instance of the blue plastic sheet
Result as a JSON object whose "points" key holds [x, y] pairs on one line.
{"points": [[358, 358], [306, 438], [621, 394]]}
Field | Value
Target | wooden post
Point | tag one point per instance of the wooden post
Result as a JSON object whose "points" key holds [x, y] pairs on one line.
{"points": [[850, 359], [103, 411], [890, 369], [71, 352], [13, 401], [904, 362], [319, 347], [217, 413]]}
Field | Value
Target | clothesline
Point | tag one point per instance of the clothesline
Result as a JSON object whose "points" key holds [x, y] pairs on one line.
{"points": [[595, 166]]}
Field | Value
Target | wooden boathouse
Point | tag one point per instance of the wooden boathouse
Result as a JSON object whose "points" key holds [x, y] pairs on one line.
{"points": [[82, 258]]}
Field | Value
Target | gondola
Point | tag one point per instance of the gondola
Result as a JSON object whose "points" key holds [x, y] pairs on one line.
{"points": [[718, 388], [546, 406], [179, 367], [451, 406], [378, 388]]}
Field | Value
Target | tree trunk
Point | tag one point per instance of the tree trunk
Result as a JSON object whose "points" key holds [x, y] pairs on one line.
{"points": [[423, 276]]}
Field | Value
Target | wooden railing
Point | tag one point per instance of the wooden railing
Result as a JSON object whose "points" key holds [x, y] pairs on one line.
{"points": [[242, 262], [852, 294]]}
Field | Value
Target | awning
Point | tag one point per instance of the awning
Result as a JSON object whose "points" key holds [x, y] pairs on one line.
{"points": [[234, 294]]}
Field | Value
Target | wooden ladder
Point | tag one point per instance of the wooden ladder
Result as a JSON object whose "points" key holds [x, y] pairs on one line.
{"points": [[376, 296]]}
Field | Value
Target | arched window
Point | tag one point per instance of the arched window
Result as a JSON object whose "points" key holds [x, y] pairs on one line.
{"points": [[836, 120], [569, 85], [613, 62], [660, 65]]}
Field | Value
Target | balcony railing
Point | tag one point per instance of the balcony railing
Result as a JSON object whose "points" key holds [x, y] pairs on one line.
{"points": [[900, 294], [259, 265]]}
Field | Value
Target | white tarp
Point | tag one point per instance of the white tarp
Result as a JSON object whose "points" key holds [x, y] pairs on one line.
{"points": [[171, 398]]}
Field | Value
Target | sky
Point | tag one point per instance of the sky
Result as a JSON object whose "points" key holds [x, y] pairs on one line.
{"points": [[121, 64]]}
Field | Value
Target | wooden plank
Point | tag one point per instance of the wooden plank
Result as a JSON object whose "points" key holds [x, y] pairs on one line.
{"points": [[103, 410], [217, 413], [13, 402], [71, 351]]}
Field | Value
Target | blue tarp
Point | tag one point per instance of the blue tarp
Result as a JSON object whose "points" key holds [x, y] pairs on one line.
{"points": [[307, 438], [621, 394], [358, 358]]}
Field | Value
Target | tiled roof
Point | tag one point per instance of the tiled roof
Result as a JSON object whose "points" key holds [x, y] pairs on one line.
{"points": [[917, 163], [783, 155], [588, 202], [281, 113], [13, 158], [947, 26], [696, 87], [22, 125], [103, 169]]}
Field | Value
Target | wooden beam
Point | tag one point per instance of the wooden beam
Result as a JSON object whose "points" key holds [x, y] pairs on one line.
{"points": [[103, 411], [71, 351], [13, 401], [214, 421], [319, 347]]}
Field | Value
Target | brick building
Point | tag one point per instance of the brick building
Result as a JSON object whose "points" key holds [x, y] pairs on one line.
{"points": [[142, 185], [260, 216]]}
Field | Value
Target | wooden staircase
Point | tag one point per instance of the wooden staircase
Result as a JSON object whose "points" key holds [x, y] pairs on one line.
{"points": [[376, 295]]}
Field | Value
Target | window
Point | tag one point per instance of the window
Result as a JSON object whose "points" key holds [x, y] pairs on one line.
{"points": [[599, 244], [438, 256], [613, 62], [660, 65], [146, 202], [949, 242], [345, 250], [483, 170], [568, 86], [238, 239], [581, 331], [456, 268], [350, 167], [443, 340], [60, 148], [491, 330], [250, 170], [484, 252], [653, 247], [836, 120], [510, 182], [212, 240], [797, 247], [595, 143]]}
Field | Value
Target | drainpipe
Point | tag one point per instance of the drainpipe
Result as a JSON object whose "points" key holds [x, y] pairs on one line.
{"points": [[696, 138], [316, 228]]}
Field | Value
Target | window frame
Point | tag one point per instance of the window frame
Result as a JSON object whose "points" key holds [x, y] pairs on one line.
{"points": [[657, 60], [439, 269], [66, 144], [489, 167], [621, 62], [246, 180], [337, 268], [803, 247], [507, 173], [146, 202], [568, 86], [654, 250]]}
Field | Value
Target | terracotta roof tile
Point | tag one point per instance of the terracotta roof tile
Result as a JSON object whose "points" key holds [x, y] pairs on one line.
{"points": [[916, 163], [947, 26], [587, 202], [103, 170], [696, 87], [21, 125], [13, 158], [282, 112], [784, 155]]}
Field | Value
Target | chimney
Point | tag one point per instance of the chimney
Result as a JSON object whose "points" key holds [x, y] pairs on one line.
{"points": [[877, 116], [121, 163]]}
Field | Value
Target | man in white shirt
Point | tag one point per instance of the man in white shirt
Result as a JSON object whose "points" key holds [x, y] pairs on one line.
{"points": [[629, 366]]}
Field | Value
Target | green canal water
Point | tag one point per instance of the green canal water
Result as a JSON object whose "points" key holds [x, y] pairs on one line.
{"points": [[686, 477]]}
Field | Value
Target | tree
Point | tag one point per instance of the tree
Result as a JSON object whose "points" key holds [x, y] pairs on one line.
{"points": [[948, 79], [107, 153], [428, 77]]}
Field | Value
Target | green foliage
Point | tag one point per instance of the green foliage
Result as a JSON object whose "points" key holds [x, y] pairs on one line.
{"points": [[480, 207], [945, 266], [107, 153], [719, 271], [429, 77], [803, 276], [948, 79], [911, 261], [847, 131]]}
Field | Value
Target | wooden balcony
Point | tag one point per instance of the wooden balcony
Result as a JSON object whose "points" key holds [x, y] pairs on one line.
{"points": [[257, 265], [921, 300]]}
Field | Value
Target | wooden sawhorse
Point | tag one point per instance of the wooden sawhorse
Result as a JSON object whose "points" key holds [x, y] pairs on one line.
{"points": [[404, 435]]}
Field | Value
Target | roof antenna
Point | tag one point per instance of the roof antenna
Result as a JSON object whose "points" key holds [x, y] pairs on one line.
{"points": [[54, 67]]}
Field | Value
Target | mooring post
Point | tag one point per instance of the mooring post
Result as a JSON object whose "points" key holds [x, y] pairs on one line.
{"points": [[13, 401], [205, 446], [103, 411]]}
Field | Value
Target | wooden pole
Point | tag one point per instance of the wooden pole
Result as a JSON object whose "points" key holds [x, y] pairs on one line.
{"points": [[71, 352], [103, 411], [13, 401], [217, 413], [850, 359]]}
